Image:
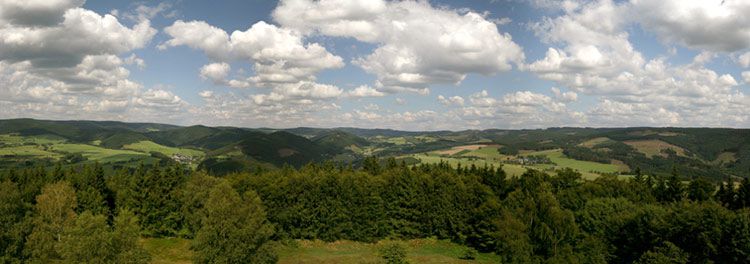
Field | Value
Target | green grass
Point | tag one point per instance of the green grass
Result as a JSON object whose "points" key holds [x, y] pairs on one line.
{"points": [[28, 150], [177, 250], [585, 167], [100, 154], [168, 250], [13, 139], [418, 251], [149, 146], [510, 169], [488, 152]]}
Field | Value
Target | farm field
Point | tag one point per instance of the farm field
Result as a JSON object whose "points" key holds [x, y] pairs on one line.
{"points": [[149, 146], [559, 158], [654, 147], [488, 155], [510, 169], [100, 154], [28, 151]]}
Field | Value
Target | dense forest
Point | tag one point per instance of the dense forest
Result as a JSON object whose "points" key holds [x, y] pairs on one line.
{"points": [[82, 214]]}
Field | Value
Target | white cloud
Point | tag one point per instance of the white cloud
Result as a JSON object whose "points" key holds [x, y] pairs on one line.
{"points": [[279, 55], [715, 25], [60, 61], [746, 76], [82, 32], [744, 60], [216, 72], [596, 58], [365, 91], [35, 12], [418, 43], [564, 96], [453, 100]]}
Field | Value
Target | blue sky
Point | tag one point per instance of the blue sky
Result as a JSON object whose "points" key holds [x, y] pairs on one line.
{"points": [[413, 65]]}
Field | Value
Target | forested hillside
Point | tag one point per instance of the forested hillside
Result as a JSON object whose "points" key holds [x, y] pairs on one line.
{"points": [[712, 153], [66, 214]]}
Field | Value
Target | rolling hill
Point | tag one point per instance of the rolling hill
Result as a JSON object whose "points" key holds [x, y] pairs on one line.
{"points": [[715, 153]]}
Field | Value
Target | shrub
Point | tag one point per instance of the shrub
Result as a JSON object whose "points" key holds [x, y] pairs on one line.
{"points": [[393, 253]]}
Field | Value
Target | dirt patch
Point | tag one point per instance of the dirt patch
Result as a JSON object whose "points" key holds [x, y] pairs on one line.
{"points": [[286, 152], [593, 142]]}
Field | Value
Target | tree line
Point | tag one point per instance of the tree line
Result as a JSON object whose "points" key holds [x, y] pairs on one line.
{"points": [[84, 215]]}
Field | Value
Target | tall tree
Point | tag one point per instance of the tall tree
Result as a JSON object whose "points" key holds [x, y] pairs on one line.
{"points": [[54, 211], [235, 229]]}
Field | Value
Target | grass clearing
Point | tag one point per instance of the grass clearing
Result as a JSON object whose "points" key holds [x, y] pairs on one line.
{"points": [[510, 169], [100, 154], [591, 143], [149, 146], [654, 147], [418, 251], [725, 158], [15, 139], [168, 250], [28, 150], [562, 161], [457, 149]]}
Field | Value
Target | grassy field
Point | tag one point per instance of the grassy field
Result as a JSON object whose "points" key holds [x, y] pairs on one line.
{"points": [[11, 139], [584, 167], [168, 250], [510, 169], [490, 156], [100, 154], [177, 250], [487, 152], [149, 146], [654, 147], [594, 141], [28, 150], [418, 251]]}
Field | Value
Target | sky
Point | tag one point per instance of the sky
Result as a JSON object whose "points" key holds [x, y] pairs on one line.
{"points": [[409, 65]]}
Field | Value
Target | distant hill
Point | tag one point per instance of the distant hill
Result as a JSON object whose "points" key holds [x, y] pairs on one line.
{"points": [[715, 153], [337, 139]]}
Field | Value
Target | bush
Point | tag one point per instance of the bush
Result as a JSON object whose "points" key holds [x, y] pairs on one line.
{"points": [[393, 253], [469, 254]]}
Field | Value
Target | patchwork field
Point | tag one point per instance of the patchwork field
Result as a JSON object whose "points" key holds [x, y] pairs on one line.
{"points": [[510, 169], [559, 158], [457, 149], [149, 146], [654, 147]]}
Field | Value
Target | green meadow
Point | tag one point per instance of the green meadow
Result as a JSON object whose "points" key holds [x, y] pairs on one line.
{"points": [[177, 250]]}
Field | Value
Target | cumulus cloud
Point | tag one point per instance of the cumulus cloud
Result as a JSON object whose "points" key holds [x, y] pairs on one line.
{"points": [[716, 25], [520, 109], [216, 72], [279, 55], [596, 58], [564, 96], [82, 32], [281, 60], [36, 12], [58, 60], [744, 60], [418, 44], [453, 100], [365, 91], [746, 76]]}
